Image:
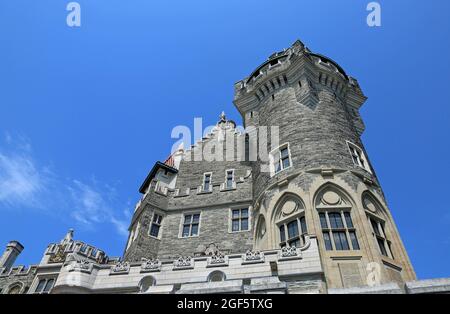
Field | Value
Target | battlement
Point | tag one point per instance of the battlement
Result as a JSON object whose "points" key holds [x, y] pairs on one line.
{"points": [[259, 271]]}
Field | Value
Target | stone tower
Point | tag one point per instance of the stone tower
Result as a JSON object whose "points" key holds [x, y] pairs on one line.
{"points": [[315, 184], [321, 181], [12, 251]]}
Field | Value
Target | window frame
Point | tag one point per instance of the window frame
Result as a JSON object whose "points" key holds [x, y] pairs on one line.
{"points": [[288, 220], [331, 231], [275, 156], [230, 219], [45, 279], [210, 182], [233, 180], [182, 224], [381, 235], [160, 225], [360, 156]]}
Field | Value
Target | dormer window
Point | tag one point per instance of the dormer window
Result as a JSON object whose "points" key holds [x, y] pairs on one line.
{"points": [[207, 182], [280, 159], [358, 157]]}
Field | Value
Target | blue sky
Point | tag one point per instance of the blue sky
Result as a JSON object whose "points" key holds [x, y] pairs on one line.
{"points": [[85, 112]]}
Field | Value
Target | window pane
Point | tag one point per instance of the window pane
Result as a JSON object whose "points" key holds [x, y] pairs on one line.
{"points": [[375, 227], [154, 231], [286, 163], [382, 247], [195, 218], [327, 240], [303, 225], [206, 186], [354, 240], [244, 224], [337, 241], [323, 221], [159, 219], [49, 285], [344, 241], [244, 213], [194, 230], [282, 234], [236, 213], [348, 220], [284, 153], [235, 225], [40, 285], [336, 220], [185, 230], [155, 218], [187, 219], [292, 229]]}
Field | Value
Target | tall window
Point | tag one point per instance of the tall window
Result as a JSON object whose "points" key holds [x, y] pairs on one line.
{"points": [[380, 236], [338, 231], [207, 182], [156, 225], [359, 159], [229, 179], [293, 233], [44, 286], [281, 159], [190, 225], [239, 220]]}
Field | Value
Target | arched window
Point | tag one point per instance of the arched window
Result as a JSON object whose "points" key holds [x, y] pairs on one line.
{"points": [[44, 285], [336, 221], [374, 215], [291, 222], [15, 289], [146, 283], [216, 276]]}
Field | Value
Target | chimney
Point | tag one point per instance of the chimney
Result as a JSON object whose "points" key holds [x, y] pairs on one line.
{"points": [[13, 249]]}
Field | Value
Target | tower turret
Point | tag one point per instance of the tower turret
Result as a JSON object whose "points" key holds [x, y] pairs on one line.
{"points": [[12, 251]]}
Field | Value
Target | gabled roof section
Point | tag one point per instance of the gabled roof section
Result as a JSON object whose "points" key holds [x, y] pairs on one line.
{"points": [[158, 165]]}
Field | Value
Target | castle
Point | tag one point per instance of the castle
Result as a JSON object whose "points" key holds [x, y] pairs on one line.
{"points": [[307, 216]]}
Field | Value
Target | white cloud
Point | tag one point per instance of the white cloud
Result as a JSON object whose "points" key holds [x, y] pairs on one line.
{"points": [[23, 184], [20, 180]]}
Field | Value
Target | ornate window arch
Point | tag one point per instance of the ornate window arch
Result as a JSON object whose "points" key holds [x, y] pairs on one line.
{"points": [[334, 207], [216, 276], [375, 213], [146, 283], [15, 288], [290, 221]]}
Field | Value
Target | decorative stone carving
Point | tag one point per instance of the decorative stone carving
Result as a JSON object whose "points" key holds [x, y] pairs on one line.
{"points": [[217, 259], [212, 249], [84, 266], [331, 198], [183, 262], [288, 251], [120, 268], [289, 207], [150, 265], [251, 257], [59, 256]]}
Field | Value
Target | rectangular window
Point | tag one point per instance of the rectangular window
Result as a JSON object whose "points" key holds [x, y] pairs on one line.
{"points": [[239, 220], [382, 247], [281, 159], [282, 234], [359, 159], [229, 179], [207, 182], [190, 225], [303, 225], [156, 225]]}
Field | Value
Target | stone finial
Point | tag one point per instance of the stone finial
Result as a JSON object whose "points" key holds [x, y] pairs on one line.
{"points": [[68, 237]]}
